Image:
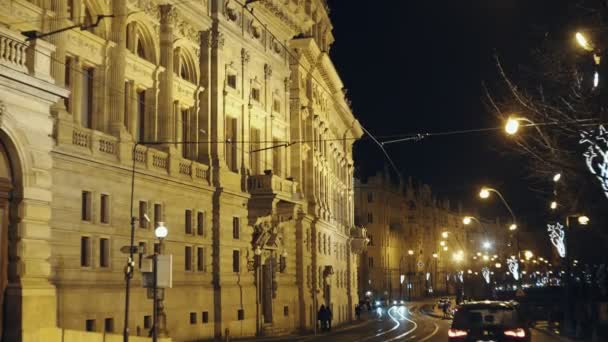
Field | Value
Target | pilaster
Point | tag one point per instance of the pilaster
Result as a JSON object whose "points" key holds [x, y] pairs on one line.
{"points": [[166, 106], [118, 35]]}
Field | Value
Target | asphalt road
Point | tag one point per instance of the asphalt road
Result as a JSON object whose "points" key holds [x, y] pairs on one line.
{"points": [[405, 323]]}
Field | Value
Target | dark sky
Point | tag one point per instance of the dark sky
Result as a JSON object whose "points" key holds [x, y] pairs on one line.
{"points": [[418, 66]]}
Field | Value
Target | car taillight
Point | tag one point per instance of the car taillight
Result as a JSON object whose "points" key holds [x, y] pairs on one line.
{"points": [[519, 332], [456, 333]]}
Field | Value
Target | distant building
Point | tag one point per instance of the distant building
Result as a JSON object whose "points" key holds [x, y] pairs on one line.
{"points": [[406, 255]]}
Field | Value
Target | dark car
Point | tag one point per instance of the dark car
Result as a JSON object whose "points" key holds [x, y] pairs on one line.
{"points": [[489, 321]]}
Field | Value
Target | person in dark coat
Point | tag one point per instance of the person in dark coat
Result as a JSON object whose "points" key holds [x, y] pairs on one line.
{"points": [[322, 317], [358, 311], [329, 318]]}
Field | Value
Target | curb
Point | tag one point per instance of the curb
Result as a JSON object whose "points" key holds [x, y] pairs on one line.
{"points": [[553, 335]]}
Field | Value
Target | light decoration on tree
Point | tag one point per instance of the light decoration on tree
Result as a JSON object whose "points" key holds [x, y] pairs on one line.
{"points": [[596, 155], [513, 267], [428, 275], [557, 236], [485, 272], [460, 276]]}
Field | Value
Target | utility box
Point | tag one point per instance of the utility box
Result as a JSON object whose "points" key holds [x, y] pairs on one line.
{"points": [[164, 272]]}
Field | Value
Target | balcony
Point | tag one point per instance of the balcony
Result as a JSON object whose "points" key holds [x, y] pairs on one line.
{"points": [[272, 185], [359, 240]]}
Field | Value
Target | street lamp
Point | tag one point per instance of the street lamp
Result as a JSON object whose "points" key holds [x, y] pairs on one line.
{"points": [[160, 232], [410, 252], [553, 205], [583, 42], [513, 226], [557, 177], [487, 245], [467, 220], [583, 220], [528, 255], [444, 235]]}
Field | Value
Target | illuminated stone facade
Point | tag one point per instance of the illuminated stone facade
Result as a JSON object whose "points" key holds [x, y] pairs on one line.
{"points": [[245, 153], [400, 218]]}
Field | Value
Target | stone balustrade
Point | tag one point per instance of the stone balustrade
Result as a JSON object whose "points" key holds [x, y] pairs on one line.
{"points": [[103, 146], [13, 50], [358, 240], [271, 184]]}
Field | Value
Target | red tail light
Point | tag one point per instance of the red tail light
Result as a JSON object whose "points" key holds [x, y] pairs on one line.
{"points": [[519, 332], [457, 333]]}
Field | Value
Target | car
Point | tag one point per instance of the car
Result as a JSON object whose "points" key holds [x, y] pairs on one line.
{"points": [[489, 321]]}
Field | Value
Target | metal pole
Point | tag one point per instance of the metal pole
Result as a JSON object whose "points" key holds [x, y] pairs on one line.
{"points": [[155, 298], [130, 264]]}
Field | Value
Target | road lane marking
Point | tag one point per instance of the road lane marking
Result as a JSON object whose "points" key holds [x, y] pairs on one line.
{"points": [[407, 332], [388, 331]]}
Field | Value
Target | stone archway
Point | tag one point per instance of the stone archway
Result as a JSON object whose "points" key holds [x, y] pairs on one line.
{"points": [[6, 189]]}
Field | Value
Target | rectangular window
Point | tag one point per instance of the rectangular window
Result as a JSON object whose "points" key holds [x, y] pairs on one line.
{"points": [[231, 81], [276, 106], [205, 317], [90, 325], [141, 115], [255, 94], [147, 322], [286, 311], [158, 214], [371, 262], [86, 112], [188, 258], [277, 158], [86, 206], [193, 318], [85, 251], [236, 228], [200, 223], [236, 261], [200, 259], [188, 221], [104, 216], [68, 83], [231, 144], [185, 132], [370, 218], [240, 314], [370, 197], [143, 212], [108, 325], [142, 250], [104, 252], [127, 96], [255, 153]]}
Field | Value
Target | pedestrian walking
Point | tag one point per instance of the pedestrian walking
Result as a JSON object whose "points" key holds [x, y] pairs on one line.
{"points": [[322, 317], [358, 311]]}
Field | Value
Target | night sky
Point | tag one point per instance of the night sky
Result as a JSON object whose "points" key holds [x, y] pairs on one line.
{"points": [[418, 66]]}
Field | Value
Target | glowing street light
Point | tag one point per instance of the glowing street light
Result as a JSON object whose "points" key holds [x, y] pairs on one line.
{"points": [[457, 257], [445, 248], [553, 205], [444, 235], [435, 255], [486, 257], [487, 245], [442, 243], [513, 226], [498, 265], [583, 220], [410, 252], [583, 42], [528, 255], [596, 79], [512, 126], [484, 193], [467, 220]]}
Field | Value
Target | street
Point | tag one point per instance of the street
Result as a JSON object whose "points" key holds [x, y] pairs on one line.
{"points": [[407, 323]]}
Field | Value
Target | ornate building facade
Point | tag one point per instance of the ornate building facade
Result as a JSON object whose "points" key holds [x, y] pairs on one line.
{"points": [[227, 123], [408, 255]]}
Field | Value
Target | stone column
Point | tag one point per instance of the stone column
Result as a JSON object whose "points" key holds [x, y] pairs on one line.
{"points": [[166, 115], [77, 78], [245, 141], [116, 78], [204, 111], [60, 7]]}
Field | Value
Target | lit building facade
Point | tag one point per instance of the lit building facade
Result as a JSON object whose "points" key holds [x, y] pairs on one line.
{"points": [[240, 137], [408, 253]]}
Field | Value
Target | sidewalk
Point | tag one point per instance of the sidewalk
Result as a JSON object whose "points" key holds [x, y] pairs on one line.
{"points": [[553, 332], [366, 318]]}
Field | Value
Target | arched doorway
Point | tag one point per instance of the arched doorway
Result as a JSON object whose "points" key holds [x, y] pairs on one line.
{"points": [[6, 187]]}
